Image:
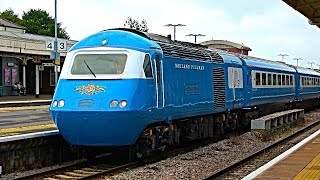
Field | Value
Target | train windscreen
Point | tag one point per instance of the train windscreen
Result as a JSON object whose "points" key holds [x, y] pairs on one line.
{"points": [[98, 64]]}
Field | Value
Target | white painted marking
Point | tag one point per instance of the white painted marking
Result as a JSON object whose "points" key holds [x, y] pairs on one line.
{"points": [[24, 102], [28, 136], [280, 157]]}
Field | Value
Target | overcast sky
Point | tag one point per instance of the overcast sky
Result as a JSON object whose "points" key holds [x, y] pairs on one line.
{"points": [[267, 27]]}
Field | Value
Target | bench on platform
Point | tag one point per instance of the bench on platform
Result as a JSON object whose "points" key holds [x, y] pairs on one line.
{"points": [[14, 91]]}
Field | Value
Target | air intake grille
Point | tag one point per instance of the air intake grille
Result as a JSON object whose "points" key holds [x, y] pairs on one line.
{"points": [[187, 52], [85, 103], [219, 88]]}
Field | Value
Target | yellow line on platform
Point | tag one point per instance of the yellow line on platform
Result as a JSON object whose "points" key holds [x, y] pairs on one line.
{"points": [[7, 109], [311, 171], [27, 128]]}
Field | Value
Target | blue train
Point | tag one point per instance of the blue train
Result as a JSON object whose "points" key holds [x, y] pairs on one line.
{"points": [[122, 87]]}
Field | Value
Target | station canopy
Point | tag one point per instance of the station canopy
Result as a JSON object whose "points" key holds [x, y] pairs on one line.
{"points": [[309, 8]]}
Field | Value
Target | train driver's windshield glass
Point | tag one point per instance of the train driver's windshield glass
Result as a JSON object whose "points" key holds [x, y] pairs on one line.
{"points": [[84, 64]]}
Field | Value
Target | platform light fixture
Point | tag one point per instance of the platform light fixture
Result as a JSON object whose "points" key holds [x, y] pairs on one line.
{"points": [[174, 29], [195, 36], [311, 63], [297, 59], [282, 56]]}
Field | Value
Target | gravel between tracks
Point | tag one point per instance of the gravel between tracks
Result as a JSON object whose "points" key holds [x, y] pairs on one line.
{"points": [[202, 162]]}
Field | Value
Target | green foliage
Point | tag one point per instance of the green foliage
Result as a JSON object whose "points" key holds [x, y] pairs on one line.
{"points": [[11, 16], [36, 21], [134, 24]]}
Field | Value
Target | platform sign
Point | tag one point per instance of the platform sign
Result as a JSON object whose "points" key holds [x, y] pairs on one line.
{"points": [[62, 45], [50, 45]]}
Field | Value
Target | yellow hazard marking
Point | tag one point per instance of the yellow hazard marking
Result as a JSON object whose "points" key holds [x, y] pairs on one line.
{"points": [[8, 134], [8, 109], [311, 171], [27, 128], [316, 141]]}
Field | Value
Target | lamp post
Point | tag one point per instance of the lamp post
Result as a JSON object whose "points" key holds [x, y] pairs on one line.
{"points": [[311, 64], [297, 59], [55, 44], [195, 36], [174, 29], [283, 55]]}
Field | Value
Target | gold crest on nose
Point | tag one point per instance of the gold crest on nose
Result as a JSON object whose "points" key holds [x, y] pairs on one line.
{"points": [[90, 89]]}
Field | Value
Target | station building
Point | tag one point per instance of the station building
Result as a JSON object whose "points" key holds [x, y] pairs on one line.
{"points": [[227, 46], [25, 58]]}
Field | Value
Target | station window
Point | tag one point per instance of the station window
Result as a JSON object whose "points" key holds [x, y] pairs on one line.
{"points": [[279, 80], [147, 66], [274, 77], [269, 79], [52, 77], [264, 79], [258, 81]]}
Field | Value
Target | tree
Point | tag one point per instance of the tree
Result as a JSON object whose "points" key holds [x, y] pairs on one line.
{"points": [[39, 22], [134, 24], [11, 16]]}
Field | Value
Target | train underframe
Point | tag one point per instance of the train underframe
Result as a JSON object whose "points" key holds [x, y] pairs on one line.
{"points": [[157, 137]]}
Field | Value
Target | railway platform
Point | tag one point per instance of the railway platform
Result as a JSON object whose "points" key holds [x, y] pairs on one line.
{"points": [[299, 162], [14, 101], [24, 115]]}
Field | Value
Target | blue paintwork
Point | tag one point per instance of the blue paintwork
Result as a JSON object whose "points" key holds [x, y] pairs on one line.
{"points": [[187, 86], [305, 93], [116, 38]]}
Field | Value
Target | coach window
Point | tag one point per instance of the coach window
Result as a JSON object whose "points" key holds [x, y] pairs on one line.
{"points": [[309, 81], [274, 78], [291, 80], [287, 80], [258, 80], [279, 79], [269, 79], [147, 66], [264, 79], [283, 80]]}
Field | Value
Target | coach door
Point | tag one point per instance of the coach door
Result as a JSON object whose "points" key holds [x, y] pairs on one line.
{"points": [[159, 81]]}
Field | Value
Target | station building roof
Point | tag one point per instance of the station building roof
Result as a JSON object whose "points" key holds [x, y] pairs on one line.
{"points": [[9, 24], [309, 8], [226, 44]]}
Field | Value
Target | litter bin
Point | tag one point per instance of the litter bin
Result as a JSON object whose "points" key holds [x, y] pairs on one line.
{"points": [[1, 88]]}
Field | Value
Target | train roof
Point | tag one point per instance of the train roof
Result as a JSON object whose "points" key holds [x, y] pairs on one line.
{"points": [[116, 38], [307, 71], [267, 64]]}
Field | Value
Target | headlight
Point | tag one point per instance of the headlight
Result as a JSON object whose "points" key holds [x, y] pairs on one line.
{"points": [[114, 103], [123, 103], [54, 103], [61, 103]]}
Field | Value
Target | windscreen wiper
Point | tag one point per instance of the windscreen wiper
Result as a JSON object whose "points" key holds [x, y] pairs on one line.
{"points": [[90, 69]]}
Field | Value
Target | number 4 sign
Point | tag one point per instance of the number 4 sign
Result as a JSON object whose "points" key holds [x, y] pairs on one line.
{"points": [[62, 45]]}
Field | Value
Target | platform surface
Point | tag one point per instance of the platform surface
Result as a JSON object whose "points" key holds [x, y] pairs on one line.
{"points": [[302, 163]]}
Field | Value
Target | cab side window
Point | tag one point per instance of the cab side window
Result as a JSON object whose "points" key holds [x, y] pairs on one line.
{"points": [[158, 68], [147, 66]]}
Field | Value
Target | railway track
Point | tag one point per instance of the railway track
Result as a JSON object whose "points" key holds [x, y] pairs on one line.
{"points": [[99, 167], [252, 162]]}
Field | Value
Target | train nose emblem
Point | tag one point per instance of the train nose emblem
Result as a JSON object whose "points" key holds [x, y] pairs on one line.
{"points": [[90, 89]]}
